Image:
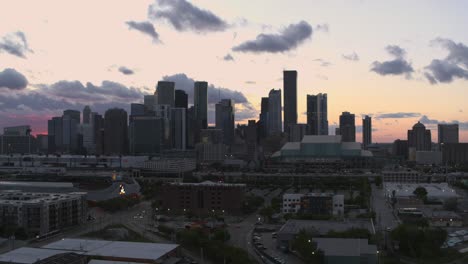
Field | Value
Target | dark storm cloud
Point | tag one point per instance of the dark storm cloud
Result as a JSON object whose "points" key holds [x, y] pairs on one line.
{"points": [[244, 108], [34, 101], [145, 28], [398, 66], [393, 67], [228, 57], [351, 57], [183, 82], [397, 115], [11, 79], [454, 66], [15, 44], [288, 39], [125, 70], [107, 91], [184, 16]]}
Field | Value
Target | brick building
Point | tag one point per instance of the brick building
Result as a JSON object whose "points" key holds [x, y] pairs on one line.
{"points": [[202, 198]]}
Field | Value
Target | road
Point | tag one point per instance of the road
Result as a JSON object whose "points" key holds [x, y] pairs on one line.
{"points": [[383, 210], [241, 233]]}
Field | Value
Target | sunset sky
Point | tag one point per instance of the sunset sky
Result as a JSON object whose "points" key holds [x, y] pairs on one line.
{"points": [[398, 61]]}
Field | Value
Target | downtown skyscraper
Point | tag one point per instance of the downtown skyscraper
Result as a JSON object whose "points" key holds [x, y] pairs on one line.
{"points": [[165, 93], [317, 114], [347, 127], [225, 120], [274, 120], [366, 131], [290, 98]]}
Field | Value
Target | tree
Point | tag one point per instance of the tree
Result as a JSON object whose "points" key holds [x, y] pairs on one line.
{"points": [[378, 181], [307, 248], [421, 193], [267, 212], [450, 204]]}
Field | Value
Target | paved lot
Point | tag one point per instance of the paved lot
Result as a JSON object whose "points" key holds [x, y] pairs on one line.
{"points": [[270, 243]]}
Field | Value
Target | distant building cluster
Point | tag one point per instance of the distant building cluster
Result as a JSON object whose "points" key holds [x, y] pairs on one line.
{"points": [[168, 121]]}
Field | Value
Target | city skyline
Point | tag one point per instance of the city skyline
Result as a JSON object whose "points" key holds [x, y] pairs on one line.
{"points": [[51, 59]]}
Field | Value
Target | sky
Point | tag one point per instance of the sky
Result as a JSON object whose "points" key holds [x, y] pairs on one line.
{"points": [[398, 61]]}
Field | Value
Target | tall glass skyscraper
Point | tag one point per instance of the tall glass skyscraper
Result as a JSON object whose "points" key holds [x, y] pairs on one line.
{"points": [[274, 112], [290, 98], [225, 120], [317, 114]]}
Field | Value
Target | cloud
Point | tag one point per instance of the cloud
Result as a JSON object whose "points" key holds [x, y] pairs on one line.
{"points": [[106, 92], [428, 121], [11, 79], [185, 16], [288, 39], [15, 44], [125, 70], [244, 108], [144, 27], [322, 27], [250, 82], [396, 51], [397, 115], [398, 66], [323, 63], [321, 77], [351, 57], [454, 66], [228, 57]]}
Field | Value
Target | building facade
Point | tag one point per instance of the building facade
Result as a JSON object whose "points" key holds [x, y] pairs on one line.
{"points": [[225, 111], [317, 114], [366, 131], [179, 129], [202, 198], [290, 98], [296, 132], [447, 133], [41, 213], [347, 127], [146, 135], [274, 112], [166, 93], [115, 131], [419, 138]]}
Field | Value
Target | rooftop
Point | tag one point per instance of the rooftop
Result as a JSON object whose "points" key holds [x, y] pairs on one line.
{"points": [[321, 139], [209, 183], [322, 226], [27, 255], [345, 247], [115, 249], [434, 190]]}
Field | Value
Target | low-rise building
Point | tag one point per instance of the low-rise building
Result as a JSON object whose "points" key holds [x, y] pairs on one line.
{"points": [[42, 213], [201, 198], [292, 227], [445, 219], [314, 203], [170, 165], [95, 251], [435, 191], [347, 250], [402, 176], [428, 157], [291, 202]]}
